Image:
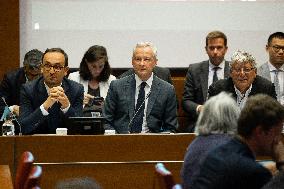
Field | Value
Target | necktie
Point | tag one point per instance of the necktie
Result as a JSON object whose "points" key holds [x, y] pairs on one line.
{"points": [[215, 77], [139, 111], [276, 84]]}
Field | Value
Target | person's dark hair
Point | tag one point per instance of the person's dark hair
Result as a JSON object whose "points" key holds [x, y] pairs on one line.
{"points": [[93, 54], [216, 34], [279, 35], [57, 50], [33, 57], [78, 183], [259, 110], [277, 182]]}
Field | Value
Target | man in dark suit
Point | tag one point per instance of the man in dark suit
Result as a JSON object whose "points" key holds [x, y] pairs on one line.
{"points": [[47, 102], [141, 102], [243, 81], [201, 75], [12, 81], [233, 164]]}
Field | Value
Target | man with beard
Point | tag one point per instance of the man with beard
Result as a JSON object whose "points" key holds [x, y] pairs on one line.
{"points": [[201, 75]]}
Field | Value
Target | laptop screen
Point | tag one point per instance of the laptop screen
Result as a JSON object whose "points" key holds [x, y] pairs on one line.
{"points": [[85, 125]]}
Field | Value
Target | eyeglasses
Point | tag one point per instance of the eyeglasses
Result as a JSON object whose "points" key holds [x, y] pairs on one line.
{"points": [[245, 70], [56, 68], [140, 59], [277, 48], [35, 67]]}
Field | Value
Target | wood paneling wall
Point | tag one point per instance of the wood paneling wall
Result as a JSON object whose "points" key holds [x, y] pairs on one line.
{"points": [[9, 36]]}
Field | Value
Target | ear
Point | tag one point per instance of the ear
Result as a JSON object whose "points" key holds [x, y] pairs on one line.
{"points": [[226, 49], [266, 48], [156, 61], [259, 132], [66, 69]]}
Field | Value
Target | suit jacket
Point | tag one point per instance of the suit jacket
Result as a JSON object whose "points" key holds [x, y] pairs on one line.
{"points": [[162, 73], [104, 85], [10, 87], [32, 96], [264, 71], [119, 106], [196, 87], [259, 85]]}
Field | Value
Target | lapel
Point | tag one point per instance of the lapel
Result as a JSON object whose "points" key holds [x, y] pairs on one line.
{"points": [[226, 70], [231, 88], [254, 88], [204, 71], [129, 91], [264, 71], [42, 93], [65, 86], [154, 93]]}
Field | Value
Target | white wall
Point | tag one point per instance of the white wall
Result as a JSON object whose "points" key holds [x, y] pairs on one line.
{"points": [[177, 28]]}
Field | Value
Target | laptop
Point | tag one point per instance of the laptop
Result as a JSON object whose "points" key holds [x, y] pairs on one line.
{"points": [[85, 125]]}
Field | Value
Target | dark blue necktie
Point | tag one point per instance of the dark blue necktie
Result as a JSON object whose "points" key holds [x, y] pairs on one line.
{"points": [[215, 76], [139, 111]]}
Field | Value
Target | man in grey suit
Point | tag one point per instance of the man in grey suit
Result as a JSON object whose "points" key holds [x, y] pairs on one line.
{"points": [[141, 102], [273, 70], [201, 75]]}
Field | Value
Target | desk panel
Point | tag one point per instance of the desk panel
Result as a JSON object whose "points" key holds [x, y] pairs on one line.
{"points": [[7, 151], [115, 161], [104, 148], [5, 177], [109, 176]]}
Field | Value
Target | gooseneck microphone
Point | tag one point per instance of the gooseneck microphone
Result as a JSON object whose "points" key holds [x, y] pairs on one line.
{"points": [[147, 96], [13, 116]]}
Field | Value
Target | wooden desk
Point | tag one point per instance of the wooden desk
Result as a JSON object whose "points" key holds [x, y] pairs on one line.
{"points": [[5, 177], [115, 161]]}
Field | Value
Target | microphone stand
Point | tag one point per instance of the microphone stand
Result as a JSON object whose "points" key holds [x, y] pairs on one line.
{"points": [[13, 116]]}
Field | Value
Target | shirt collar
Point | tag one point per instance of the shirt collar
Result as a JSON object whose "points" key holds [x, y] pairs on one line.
{"points": [[221, 65], [272, 68], [243, 95], [139, 81]]}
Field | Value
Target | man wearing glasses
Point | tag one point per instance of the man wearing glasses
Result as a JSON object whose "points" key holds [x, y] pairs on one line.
{"points": [[12, 81], [273, 70], [243, 81], [47, 102]]}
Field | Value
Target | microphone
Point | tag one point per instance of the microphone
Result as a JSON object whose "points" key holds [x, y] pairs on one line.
{"points": [[147, 96], [13, 116]]}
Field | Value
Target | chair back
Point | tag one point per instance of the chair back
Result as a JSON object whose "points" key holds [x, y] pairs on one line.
{"points": [[165, 177], [23, 169], [33, 179]]}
